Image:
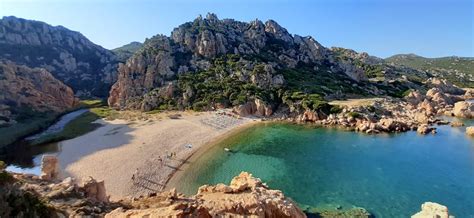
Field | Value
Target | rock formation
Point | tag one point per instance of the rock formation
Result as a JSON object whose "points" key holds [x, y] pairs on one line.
{"points": [[256, 107], [87, 68], [33, 89], [464, 109], [416, 111], [470, 131], [95, 190], [49, 167], [425, 129], [245, 196], [432, 210], [457, 124], [445, 86], [214, 63]]}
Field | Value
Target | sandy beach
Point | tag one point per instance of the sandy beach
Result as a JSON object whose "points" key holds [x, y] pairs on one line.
{"points": [[132, 156]]}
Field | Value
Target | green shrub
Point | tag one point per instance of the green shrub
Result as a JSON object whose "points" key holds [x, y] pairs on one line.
{"points": [[354, 114], [335, 109], [200, 106]]}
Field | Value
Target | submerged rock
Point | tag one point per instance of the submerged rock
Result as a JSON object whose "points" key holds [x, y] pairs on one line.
{"points": [[432, 210], [457, 124], [425, 129]]}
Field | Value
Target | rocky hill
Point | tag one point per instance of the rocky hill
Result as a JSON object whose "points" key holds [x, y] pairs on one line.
{"points": [[257, 67], [459, 70], [27, 89], [87, 68], [125, 52]]}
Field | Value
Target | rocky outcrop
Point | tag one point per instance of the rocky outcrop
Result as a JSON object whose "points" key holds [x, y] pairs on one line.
{"points": [[87, 68], [35, 89], [414, 97], [95, 190], [49, 167], [310, 116], [464, 109], [415, 112], [470, 131], [245, 195], [432, 210], [457, 124], [252, 197], [35, 197], [425, 129], [445, 86], [256, 107]]}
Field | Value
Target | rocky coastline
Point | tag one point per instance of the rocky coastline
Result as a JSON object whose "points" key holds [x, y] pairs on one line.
{"points": [[49, 196], [24, 195], [417, 111]]}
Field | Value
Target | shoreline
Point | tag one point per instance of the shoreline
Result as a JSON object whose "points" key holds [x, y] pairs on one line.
{"points": [[134, 157], [177, 174]]}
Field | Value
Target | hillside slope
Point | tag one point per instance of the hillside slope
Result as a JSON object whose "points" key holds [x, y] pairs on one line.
{"points": [[212, 63], [86, 67], [459, 70], [125, 52], [30, 98]]}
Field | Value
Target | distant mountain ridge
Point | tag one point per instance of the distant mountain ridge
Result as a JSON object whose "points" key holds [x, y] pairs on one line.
{"points": [[86, 67], [126, 51], [459, 70]]}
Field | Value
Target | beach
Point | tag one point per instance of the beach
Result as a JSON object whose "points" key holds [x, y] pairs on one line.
{"points": [[138, 157]]}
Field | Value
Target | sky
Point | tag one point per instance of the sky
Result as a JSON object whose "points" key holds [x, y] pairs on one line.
{"points": [[431, 28]]}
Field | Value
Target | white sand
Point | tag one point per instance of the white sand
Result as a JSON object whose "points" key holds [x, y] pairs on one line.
{"points": [[114, 152]]}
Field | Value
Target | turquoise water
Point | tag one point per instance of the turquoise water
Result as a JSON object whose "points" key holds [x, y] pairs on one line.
{"points": [[389, 175]]}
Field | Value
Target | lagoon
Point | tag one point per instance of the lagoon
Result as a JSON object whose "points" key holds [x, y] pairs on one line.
{"points": [[390, 175]]}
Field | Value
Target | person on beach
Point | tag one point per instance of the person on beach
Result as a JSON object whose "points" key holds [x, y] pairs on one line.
{"points": [[134, 175], [160, 160]]}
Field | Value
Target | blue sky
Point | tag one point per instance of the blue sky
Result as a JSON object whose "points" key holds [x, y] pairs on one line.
{"points": [[430, 28]]}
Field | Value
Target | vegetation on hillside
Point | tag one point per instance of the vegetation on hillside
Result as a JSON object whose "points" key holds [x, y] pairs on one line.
{"points": [[459, 70], [28, 122], [80, 125], [126, 51], [225, 85]]}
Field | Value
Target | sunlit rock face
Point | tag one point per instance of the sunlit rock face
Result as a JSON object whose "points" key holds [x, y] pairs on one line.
{"points": [[23, 88], [69, 56], [263, 50]]}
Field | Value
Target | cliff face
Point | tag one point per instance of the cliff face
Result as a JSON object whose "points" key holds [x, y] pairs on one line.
{"points": [[87, 68], [211, 63], [36, 89]]}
